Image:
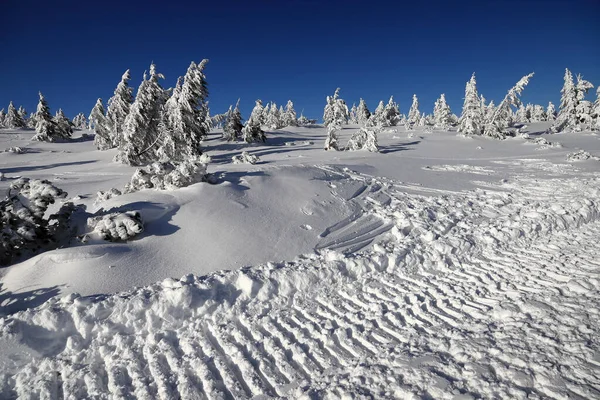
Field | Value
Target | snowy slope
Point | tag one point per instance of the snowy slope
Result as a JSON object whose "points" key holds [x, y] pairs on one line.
{"points": [[441, 267]]}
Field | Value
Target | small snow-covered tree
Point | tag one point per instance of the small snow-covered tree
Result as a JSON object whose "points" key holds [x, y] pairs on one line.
{"points": [[264, 115], [378, 116], [335, 110], [521, 114], [538, 114], [501, 121], [140, 133], [550, 112], [99, 124], [364, 139], [80, 121], [529, 112], [584, 107], [232, 129], [470, 122], [567, 114], [596, 111], [413, 113], [2, 118], [63, 125], [252, 131], [273, 118], [13, 119], [442, 115], [44, 124], [118, 107], [331, 142], [289, 116], [22, 112], [362, 113]]}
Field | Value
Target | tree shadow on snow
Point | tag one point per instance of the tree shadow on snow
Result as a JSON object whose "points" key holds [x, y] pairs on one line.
{"points": [[398, 147], [11, 303], [158, 215], [236, 178], [48, 166]]}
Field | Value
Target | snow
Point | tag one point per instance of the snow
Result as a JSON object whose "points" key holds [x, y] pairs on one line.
{"points": [[443, 266]]}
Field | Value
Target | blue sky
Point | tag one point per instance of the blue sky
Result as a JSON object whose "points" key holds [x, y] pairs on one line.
{"points": [[302, 50]]}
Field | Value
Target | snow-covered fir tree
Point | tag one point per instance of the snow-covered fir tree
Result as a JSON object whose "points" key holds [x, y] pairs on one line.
{"points": [[362, 113], [442, 115], [13, 119], [521, 114], [550, 112], [80, 121], [352, 116], [22, 112], [289, 115], [100, 125], [63, 124], [188, 113], [470, 122], [538, 114], [141, 133], [2, 118], [378, 116], [252, 131], [44, 124], [529, 112], [414, 113], [567, 114], [596, 111], [584, 107], [364, 139], [265, 112], [331, 142], [232, 129], [391, 113], [501, 120], [335, 110], [273, 118], [118, 108]]}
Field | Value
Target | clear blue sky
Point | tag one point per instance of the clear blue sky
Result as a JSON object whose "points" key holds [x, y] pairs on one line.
{"points": [[76, 51]]}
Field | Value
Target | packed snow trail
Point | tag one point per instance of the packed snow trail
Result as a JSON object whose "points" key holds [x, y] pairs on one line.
{"points": [[491, 293]]}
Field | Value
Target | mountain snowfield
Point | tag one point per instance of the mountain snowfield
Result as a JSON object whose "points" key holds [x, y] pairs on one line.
{"points": [[441, 267]]}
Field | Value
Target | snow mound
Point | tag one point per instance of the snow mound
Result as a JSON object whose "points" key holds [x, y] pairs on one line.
{"points": [[16, 150], [105, 195], [543, 143], [168, 176], [245, 158], [581, 155]]}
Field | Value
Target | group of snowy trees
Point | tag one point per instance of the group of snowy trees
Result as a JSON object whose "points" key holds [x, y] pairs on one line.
{"points": [[576, 113], [14, 118]]}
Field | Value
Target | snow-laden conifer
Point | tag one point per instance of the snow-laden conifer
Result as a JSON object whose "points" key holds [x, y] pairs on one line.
{"points": [[362, 113], [442, 115], [538, 114], [352, 116], [521, 114], [44, 123], [273, 120], [470, 122], [378, 116], [100, 125], [584, 107], [141, 133], [80, 121], [331, 142], [13, 119], [567, 117], [364, 139], [22, 112], [391, 113], [596, 111], [414, 113], [232, 129], [63, 124], [289, 115], [2, 118], [335, 110], [252, 131], [118, 108], [550, 112], [501, 120]]}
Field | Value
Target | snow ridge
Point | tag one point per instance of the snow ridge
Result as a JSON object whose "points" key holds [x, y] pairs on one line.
{"points": [[447, 282]]}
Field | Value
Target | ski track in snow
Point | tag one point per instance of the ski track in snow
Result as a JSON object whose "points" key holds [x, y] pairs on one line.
{"points": [[492, 293]]}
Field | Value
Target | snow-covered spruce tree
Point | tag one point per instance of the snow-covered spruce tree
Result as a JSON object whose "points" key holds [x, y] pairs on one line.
{"points": [[193, 121], [413, 113], [352, 116], [80, 121], [22, 112], [44, 125], [289, 115], [501, 121], [13, 119], [529, 112], [470, 122], [391, 113], [331, 142], [378, 116], [100, 125], [567, 118], [442, 115], [140, 133], [232, 129], [538, 114], [550, 112], [362, 113], [118, 107], [596, 111], [265, 112], [252, 131], [521, 114], [584, 107], [335, 110], [273, 118], [63, 125], [2, 118]]}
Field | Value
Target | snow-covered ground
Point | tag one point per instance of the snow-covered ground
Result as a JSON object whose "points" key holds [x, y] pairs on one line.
{"points": [[441, 267]]}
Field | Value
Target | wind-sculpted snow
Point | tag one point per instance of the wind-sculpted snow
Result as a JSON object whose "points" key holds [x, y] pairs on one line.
{"points": [[490, 293]]}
